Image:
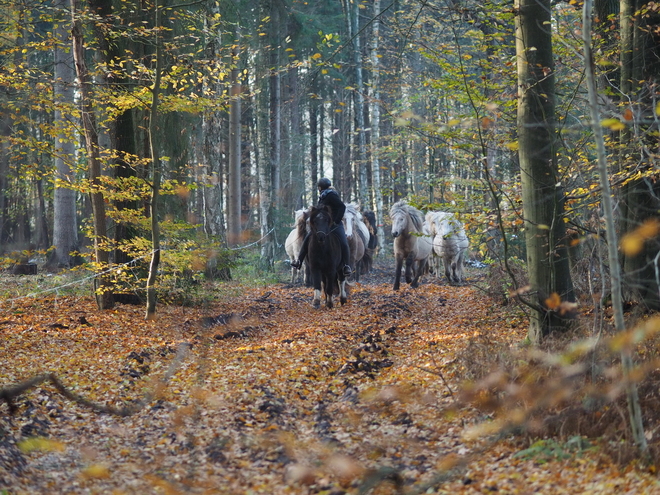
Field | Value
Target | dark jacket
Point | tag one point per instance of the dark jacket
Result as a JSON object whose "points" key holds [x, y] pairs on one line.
{"points": [[331, 198]]}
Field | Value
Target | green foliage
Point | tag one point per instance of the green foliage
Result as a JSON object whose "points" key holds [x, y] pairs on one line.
{"points": [[252, 270], [546, 450]]}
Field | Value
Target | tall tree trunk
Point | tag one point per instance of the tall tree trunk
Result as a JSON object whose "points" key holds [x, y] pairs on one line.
{"points": [[104, 297], [65, 223], [234, 169], [362, 189], [314, 138], [156, 174], [5, 132], [639, 54], [375, 127], [547, 259], [634, 407]]}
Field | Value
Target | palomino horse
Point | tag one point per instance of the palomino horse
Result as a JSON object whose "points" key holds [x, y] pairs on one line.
{"points": [[357, 236], [411, 242], [294, 242], [324, 258], [449, 243]]}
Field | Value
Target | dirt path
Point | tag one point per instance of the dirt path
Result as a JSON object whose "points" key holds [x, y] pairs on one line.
{"points": [[267, 395]]}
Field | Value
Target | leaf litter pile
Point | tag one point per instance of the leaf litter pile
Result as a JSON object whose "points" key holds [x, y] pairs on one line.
{"points": [[260, 393]]}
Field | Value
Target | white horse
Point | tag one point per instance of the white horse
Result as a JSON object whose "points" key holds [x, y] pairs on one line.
{"points": [[411, 242], [449, 243], [357, 234], [294, 242]]}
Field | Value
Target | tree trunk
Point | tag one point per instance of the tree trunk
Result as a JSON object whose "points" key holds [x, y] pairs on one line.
{"points": [[314, 138], [639, 197], [547, 259], [104, 298], [634, 408], [375, 127], [65, 223], [156, 175], [234, 169], [361, 187]]}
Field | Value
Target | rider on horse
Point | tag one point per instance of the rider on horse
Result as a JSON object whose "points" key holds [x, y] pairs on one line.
{"points": [[329, 197]]}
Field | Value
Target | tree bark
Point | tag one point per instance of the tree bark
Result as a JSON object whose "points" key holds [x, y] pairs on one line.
{"points": [[361, 187], [234, 169], [156, 174], [547, 259], [104, 297], [375, 127], [634, 408], [639, 197], [65, 223]]}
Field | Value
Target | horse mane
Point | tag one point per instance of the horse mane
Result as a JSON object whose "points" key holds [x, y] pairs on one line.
{"points": [[301, 217], [351, 215], [370, 220], [416, 217]]}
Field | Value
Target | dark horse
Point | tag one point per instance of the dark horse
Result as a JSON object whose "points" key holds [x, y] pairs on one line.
{"points": [[324, 258]]}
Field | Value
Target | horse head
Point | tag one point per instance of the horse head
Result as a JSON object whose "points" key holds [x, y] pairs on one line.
{"points": [[400, 217], [320, 220]]}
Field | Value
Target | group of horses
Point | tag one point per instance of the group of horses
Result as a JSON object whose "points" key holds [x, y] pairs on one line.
{"points": [[423, 242], [322, 267]]}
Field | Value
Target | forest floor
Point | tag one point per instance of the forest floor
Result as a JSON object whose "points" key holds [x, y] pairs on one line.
{"points": [[260, 393]]}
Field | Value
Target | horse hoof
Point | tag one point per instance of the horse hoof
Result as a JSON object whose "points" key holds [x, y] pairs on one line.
{"points": [[343, 301], [316, 304]]}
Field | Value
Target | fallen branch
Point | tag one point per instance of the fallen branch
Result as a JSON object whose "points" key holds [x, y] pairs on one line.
{"points": [[9, 394]]}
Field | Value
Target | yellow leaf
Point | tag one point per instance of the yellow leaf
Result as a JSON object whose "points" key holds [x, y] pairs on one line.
{"points": [[316, 56], [633, 242], [613, 124], [40, 444], [97, 471], [513, 145]]}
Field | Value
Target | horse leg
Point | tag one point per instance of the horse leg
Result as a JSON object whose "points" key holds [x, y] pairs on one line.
{"points": [[316, 283], [409, 268], [397, 272], [421, 265], [329, 288], [343, 297], [446, 260]]}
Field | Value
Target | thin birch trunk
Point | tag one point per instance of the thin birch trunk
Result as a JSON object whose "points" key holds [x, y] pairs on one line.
{"points": [[375, 127]]}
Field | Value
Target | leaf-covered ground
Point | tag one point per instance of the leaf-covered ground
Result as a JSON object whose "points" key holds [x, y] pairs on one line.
{"points": [[260, 393]]}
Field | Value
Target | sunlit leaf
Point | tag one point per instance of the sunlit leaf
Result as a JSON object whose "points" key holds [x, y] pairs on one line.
{"points": [[613, 124]]}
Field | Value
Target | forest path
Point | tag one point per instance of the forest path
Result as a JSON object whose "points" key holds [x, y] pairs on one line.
{"points": [[267, 395]]}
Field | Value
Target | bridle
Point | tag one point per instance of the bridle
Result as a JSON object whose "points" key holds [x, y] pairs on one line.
{"points": [[330, 222]]}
